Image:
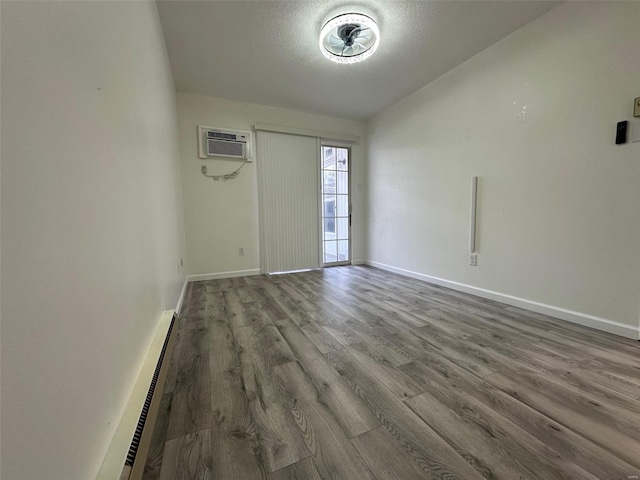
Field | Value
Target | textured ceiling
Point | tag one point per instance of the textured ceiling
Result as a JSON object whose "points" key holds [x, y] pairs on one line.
{"points": [[267, 51]]}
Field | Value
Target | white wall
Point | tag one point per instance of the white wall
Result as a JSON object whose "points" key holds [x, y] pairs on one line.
{"points": [[222, 216], [534, 117], [91, 224]]}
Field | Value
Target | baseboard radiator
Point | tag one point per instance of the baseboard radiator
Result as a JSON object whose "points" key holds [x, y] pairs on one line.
{"points": [[128, 451]]}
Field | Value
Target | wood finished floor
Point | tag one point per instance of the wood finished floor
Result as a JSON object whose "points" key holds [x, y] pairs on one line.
{"points": [[355, 373]]}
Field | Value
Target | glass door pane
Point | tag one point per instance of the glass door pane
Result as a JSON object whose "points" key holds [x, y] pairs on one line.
{"points": [[336, 215]]}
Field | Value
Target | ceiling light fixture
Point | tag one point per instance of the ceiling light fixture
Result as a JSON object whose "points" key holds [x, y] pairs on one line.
{"points": [[349, 38]]}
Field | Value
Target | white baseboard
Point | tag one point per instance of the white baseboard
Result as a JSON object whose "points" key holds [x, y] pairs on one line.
{"points": [[358, 262], [182, 294], [113, 464], [219, 275], [583, 319]]}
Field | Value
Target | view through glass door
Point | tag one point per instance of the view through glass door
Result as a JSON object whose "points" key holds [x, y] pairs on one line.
{"points": [[336, 211]]}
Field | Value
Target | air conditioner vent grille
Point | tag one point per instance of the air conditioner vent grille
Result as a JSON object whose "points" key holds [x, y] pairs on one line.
{"points": [[218, 147], [225, 136]]}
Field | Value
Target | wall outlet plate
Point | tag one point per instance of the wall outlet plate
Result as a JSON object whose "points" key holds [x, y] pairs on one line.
{"points": [[473, 259], [636, 107], [635, 132]]}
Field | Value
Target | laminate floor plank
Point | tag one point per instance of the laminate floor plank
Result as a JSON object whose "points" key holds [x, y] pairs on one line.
{"points": [[274, 348], [493, 445], [235, 450], [391, 353], [304, 290], [153, 464], [260, 293], [363, 328], [593, 421], [231, 296], [392, 315], [463, 353], [337, 324], [410, 307], [354, 372], [379, 280], [257, 315], [188, 457], [291, 292], [428, 450], [181, 324], [197, 307], [530, 356], [524, 363], [369, 321], [562, 333], [279, 439], [302, 470], [599, 402], [226, 284], [237, 315], [342, 333], [224, 355], [471, 322], [434, 336], [331, 388], [321, 339], [620, 367], [191, 405], [577, 332], [385, 457], [333, 454], [172, 372], [529, 359], [595, 375], [364, 323], [560, 365], [437, 373], [417, 345], [263, 282], [272, 309], [567, 337], [246, 294], [215, 296], [512, 324], [385, 373]]}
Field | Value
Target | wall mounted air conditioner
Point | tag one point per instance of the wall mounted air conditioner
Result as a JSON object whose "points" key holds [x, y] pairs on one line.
{"points": [[217, 142]]}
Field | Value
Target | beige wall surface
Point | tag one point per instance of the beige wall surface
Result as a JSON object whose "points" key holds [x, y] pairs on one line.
{"points": [[534, 116], [222, 216], [92, 228]]}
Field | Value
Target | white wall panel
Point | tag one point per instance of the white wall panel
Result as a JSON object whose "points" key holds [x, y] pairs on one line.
{"points": [[558, 220], [288, 192], [92, 226], [222, 216]]}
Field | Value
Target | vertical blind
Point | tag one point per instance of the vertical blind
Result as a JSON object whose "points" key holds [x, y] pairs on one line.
{"points": [[288, 182]]}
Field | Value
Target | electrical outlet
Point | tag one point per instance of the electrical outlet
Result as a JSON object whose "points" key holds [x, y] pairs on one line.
{"points": [[473, 259], [241, 251]]}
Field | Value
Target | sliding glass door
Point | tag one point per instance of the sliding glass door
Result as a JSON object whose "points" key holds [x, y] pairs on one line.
{"points": [[335, 205]]}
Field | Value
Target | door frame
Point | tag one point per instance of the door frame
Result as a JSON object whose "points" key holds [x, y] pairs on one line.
{"points": [[347, 146]]}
